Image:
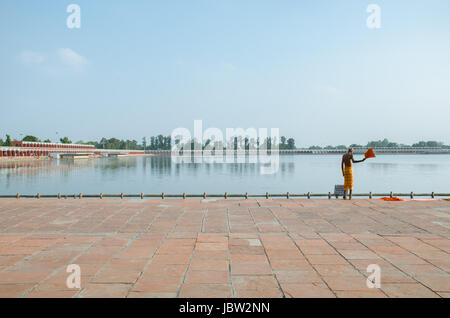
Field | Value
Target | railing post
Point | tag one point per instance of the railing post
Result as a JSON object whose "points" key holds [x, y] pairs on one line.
{"points": [[412, 195], [432, 195], [370, 195], [121, 195], [267, 195], [390, 195], [226, 195], [18, 196], [329, 195], [101, 196], [309, 195], [38, 195], [162, 195], [184, 195], [204, 195], [142, 195], [81, 196], [287, 195], [246, 195]]}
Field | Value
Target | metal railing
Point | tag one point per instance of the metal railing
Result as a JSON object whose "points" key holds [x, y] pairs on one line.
{"points": [[226, 195]]}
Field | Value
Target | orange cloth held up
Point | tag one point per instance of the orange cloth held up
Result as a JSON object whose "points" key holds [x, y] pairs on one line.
{"points": [[391, 199], [369, 153]]}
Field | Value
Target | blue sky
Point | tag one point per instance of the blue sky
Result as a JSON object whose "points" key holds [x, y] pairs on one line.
{"points": [[311, 68]]}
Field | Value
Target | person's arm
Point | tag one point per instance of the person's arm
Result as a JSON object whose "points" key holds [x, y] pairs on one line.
{"points": [[342, 165], [356, 161]]}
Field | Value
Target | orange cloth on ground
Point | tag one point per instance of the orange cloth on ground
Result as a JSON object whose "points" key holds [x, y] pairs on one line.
{"points": [[348, 178], [391, 199], [369, 153]]}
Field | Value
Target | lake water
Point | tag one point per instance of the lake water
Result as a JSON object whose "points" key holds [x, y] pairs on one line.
{"points": [[296, 174]]}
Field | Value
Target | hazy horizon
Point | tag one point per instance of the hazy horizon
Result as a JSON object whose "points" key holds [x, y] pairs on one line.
{"points": [[312, 69]]}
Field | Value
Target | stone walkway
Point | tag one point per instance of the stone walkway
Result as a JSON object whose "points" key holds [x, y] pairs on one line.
{"points": [[224, 248]]}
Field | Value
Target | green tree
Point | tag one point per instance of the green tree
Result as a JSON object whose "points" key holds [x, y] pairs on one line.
{"points": [[31, 139], [291, 143], [65, 140], [7, 142], [47, 140]]}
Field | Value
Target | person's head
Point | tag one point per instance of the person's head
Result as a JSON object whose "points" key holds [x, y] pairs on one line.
{"points": [[350, 151]]}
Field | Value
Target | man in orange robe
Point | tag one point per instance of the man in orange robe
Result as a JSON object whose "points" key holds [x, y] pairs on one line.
{"points": [[347, 171]]}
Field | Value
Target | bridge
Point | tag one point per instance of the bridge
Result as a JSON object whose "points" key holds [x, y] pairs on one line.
{"points": [[58, 150]]}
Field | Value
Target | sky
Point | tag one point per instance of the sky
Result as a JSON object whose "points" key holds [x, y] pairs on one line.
{"points": [[313, 69]]}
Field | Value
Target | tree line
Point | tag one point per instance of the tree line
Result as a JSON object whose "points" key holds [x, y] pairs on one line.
{"points": [[161, 142], [386, 144]]}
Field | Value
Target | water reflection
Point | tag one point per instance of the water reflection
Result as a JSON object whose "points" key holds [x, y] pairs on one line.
{"points": [[160, 174]]}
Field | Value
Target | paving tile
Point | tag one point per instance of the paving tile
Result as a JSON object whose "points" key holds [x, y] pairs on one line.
{"points": [[246, 268], [104, 291], [251, 282], [336, 270], [209, 265], [117, 276], [51, 294], [200, 290], [223, 248], [409, 290], [347, 283], [166, 269], [14, 291], [374, 293], [289, 264], [151, 295], [326, 259], [298, 277], [207, 277], [307, 290], [164, 284]]}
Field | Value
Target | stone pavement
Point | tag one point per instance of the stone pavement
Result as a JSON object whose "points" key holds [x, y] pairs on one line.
{"points": [[224, 248]]}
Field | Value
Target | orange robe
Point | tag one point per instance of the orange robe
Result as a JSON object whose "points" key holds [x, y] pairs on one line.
{"points": [[348, 178]]}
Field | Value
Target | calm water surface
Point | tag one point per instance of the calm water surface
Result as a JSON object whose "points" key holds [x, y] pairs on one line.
{"points": [[296, 174]]}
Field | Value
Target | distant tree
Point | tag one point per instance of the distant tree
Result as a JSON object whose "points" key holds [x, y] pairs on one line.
{"points": [[355, 146], [47, 140], [434, 144], [420, 144], [315, 148], [152, 143], [144, 142], [291, 143], [341, 147], [379, 143], [430, 143], [65, 140], [7, 142], [31, 139], [1, 142]]}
